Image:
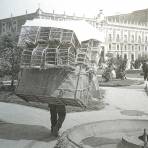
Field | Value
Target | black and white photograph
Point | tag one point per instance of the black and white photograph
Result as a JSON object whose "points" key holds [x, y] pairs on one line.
{"points": [[73, 74]]}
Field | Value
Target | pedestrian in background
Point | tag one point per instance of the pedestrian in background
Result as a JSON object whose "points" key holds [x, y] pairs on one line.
{"points": [[145, 72]]}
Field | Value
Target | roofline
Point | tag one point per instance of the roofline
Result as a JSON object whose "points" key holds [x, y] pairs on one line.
{"points": [[36, 12], [17, 16]]}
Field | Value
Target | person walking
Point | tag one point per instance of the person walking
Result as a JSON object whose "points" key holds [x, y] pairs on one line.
{"points": [[145, 72], [58, 114]]}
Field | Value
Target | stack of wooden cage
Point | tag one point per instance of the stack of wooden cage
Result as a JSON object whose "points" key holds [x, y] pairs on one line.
{"points": [[51, 66], [48, 46]]}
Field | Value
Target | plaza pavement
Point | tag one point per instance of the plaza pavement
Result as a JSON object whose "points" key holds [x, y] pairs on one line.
{"points": [[28, 127]]}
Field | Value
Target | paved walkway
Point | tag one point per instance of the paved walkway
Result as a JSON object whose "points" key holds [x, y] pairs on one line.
{"points": [[129, 98], [26, 127]]}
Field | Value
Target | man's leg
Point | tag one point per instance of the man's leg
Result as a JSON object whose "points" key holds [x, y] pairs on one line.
{"points": [[53, 116], [145, 79], [61, 110], [61, 118]]}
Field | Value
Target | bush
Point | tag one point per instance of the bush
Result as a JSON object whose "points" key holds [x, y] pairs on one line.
{"points": [[107, 71], [106, 74], [121, 67], [119, 64], [137, 64]]}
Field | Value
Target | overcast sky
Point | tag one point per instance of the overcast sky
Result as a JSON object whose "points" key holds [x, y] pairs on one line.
{"points": [[78, 7]]}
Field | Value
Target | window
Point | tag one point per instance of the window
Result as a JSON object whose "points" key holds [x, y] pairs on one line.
{"points": [[139, 39], [139, 56], [145, 48], [125, 56], [110, 37], [139, 48], [125, 47], [117, 47], [132, 48], [117, 38], [146, 39], [132, 39], [95, 44], [110, 47], [14, 26], [125, 38], [132, 57], [3, 27], [9, 26]]}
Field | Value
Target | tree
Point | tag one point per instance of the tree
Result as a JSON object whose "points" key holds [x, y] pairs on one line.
{"points": [[4, 67], [11, 54]]}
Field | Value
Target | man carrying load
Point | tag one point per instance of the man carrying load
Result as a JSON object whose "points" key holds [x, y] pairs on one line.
{"points": [[57, 115]]}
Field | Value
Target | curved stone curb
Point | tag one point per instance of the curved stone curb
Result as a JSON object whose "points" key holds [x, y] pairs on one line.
{"points": [[121, 85], [72, 138]]}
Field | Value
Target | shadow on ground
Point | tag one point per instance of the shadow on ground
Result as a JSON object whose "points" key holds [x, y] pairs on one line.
{"points": [[11, 131]]}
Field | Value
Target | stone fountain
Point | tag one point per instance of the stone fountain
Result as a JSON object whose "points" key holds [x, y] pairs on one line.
{"points": [[121, 133]]}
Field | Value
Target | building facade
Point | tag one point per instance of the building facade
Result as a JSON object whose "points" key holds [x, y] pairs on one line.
{"points": [[126, 35], [127, 40], [14, 24]]}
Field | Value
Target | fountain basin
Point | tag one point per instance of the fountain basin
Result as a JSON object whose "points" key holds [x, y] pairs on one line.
{"points": [[121, 133]]}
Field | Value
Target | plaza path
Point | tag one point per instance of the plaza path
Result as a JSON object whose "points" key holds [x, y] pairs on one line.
{"points": [[28, 127], [129, 98]]}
